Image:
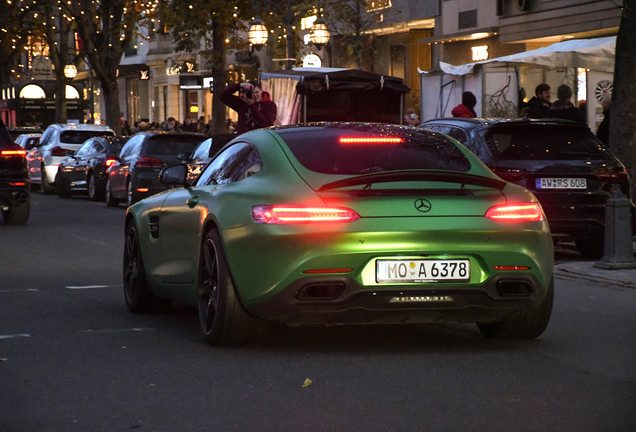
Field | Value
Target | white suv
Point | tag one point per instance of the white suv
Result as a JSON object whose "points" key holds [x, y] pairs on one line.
{"points": [[56, 140]]}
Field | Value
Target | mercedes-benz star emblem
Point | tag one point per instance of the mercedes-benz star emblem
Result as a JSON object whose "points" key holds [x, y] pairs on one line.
{"points": [[422, 205]]}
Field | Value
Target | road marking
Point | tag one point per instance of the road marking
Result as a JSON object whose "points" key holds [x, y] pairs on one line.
{"points": [[13, 336], [92, 286], [134, 329]]}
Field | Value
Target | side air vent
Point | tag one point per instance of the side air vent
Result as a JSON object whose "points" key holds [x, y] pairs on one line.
{"points": [[153, 226]]}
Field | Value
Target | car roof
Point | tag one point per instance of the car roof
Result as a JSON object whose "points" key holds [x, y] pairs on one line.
{"points": [[83, 127], [499, 120]]}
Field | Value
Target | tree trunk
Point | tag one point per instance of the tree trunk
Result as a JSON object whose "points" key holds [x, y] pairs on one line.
{"points": [[219, 76], [111, 100], [623, 109]]}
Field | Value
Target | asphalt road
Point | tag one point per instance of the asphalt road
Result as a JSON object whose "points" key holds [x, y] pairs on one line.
{"points": [[73, 359]]}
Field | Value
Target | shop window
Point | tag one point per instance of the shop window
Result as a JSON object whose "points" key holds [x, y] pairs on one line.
{"points": [[374, 5], [467, 19], [32, 91]]}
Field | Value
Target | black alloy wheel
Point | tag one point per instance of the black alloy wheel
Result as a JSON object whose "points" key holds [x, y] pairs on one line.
{"points": [[62, 190], [139, 297], [93, 193], [223, 320], [17, 214]]}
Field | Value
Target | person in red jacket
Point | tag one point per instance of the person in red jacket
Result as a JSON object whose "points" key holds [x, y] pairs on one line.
{"points": [[466, 108], [254, 106]]}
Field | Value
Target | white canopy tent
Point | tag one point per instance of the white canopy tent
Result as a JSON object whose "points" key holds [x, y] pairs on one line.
{"points": [[441, 90]]}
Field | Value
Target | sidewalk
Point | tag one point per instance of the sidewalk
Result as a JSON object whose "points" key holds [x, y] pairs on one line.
{"points": [[585, 270]]}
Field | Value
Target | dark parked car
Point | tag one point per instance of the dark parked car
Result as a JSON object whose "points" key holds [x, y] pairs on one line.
{"points": [[135, 175], [560, 161], [14, 180], [204, 153], [86, 170]]}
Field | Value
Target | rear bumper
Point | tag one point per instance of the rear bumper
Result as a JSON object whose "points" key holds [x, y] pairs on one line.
{"points": [[399, 304], [14, 195]]}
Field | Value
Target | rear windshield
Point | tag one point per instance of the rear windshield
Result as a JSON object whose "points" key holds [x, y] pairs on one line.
{"points": [[322, 150], [78, 137], [171, 145], [542, 142]]}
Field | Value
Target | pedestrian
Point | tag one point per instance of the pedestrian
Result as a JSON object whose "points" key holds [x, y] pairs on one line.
{"points": [[126, 127], [254, 106], [466, 108], [163, 126], [563, 108], [201, 126], [228, 127], [172, 124], [603, 131], [188, 125], [539, 105]]}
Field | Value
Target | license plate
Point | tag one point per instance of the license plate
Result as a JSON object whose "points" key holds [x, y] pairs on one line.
{"points": [[419, 271], [561, 183]]}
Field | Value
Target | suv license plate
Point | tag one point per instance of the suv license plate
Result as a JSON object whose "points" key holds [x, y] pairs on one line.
{"points": [[422, 271], [561, 183]]}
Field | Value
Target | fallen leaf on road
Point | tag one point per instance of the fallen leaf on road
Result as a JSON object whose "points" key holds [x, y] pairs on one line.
{"points": [[307, 383]]}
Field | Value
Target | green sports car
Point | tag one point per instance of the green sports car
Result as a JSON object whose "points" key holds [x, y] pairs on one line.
{"points": [[342, 223]]}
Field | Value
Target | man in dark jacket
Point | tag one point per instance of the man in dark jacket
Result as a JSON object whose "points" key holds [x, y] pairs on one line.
{"points": [[254, 106], [563, 108], [603, 131], [539, 105]]}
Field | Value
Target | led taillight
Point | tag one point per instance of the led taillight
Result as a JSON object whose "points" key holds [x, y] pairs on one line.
{"points": [[516, 212], [149, 162], [618, 175], [510, 268], [109, 162], [328, 271], [17, 184], [371, 140], [58, 151], [286, 214], [13, 153]]}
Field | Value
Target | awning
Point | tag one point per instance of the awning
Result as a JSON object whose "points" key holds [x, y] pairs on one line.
{"points": [[595, 54]]}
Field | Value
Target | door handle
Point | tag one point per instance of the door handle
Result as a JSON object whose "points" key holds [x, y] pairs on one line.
{"points": [[193, 201]]}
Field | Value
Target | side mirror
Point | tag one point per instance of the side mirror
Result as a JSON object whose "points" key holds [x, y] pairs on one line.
{"points": [[174, 175], [184, 157]]}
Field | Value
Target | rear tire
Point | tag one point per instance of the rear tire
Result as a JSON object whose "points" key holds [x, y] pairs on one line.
{"points": [[139, 297], [223, 320], [62, 192], [131, 196], [94, 193], [110, 201], [45, 186], [17, 215], [529, 324], [591, 248]]}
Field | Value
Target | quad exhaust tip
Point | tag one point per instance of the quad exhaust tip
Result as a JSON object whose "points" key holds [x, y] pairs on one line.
{"points": [[514, 288]]}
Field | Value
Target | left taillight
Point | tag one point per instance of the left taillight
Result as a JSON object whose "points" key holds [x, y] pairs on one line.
{"points": [[526, 212], [287, 214], [110, 162], [58, 151], [13, 153]]}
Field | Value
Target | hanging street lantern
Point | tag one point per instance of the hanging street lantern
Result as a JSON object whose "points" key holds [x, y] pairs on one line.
{"points": [[70, 71], [257, 33], [319, 33]]}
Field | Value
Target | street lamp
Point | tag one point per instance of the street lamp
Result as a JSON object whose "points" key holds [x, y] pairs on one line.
{"points": [[319, 33], [70, 71], [257, 34]]}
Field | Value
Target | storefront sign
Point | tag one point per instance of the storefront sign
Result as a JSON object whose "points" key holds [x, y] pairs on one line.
{"points": [[144, 74], [190, 82], [480, 52], [312, 60]]}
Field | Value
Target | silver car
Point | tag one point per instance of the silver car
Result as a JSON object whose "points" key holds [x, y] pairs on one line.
{"points": [[56, 141]]}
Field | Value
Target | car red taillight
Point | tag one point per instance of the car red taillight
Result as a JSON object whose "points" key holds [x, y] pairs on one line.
{"points": [[149, 162], [371, 140], [58, 151], [110, 162], [12, 153], [527, 212], [618, 175], [287, 214]]}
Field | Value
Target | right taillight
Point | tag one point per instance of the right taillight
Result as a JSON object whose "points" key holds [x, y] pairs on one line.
{"points": [[289, 214], [58, 151], [149, 162], [617, 175], [526, 212], [110, 162]]}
